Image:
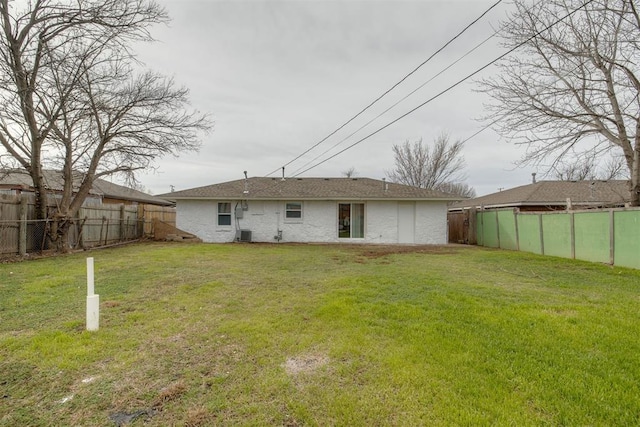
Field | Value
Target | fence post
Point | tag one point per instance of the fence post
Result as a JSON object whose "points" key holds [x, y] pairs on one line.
{"points": [[140, 221], [473, 229], [572, 230], [612, 239], [481, 238], [541, 234], [122, 233], [498, 228], [515, 220], [22, 225]]}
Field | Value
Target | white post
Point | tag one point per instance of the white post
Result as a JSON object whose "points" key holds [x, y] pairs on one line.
{"points": [[93, 301], [90, 283]]}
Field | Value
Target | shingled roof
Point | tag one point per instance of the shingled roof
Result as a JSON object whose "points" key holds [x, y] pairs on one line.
{"points": [[18, 179], [554, 193], [309, 189], [116, 191]]}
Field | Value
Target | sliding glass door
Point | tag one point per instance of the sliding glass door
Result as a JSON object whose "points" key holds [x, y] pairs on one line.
{"points": [[351, 220]]}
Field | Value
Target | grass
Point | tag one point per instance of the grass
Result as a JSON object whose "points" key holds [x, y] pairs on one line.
{"points": [[319, 335]]}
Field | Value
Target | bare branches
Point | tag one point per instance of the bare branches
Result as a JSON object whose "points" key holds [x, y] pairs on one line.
{"points": [[350, 173], [73, 102], [575, 86], [461, 189], [586, 166], [438, 168]]}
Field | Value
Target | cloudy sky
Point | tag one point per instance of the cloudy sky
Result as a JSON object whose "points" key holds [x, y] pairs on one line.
{"points": [[277, 77]]}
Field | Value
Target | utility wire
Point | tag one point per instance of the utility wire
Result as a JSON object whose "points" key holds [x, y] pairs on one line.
{"points": [[391, 88], [441, 93], [459, 82], [397, 103], [497, 119]]}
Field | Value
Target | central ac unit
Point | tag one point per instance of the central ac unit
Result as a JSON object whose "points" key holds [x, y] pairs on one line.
{"points": [[243, 236]]}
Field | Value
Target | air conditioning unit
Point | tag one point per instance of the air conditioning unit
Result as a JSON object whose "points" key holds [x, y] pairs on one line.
{"points": [[243, 235]]}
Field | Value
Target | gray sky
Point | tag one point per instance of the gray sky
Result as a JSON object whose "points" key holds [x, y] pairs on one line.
{"points": [[279, 76]]}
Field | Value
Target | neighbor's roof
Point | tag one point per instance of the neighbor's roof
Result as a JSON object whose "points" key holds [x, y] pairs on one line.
{"points": [[115, 191], [309, 189], [553, 193], [53, 179]]}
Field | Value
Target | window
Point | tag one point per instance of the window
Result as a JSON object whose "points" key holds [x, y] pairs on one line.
{"points": [[293, 210], [224, 213], [351, 220]]}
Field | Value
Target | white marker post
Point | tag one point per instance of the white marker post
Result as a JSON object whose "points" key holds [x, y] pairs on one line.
{"points": [[93, 300]]}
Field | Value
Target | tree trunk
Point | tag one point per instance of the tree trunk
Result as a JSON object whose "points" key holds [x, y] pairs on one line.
{"points": [[41, 196], [634, 183], [59, 233]]}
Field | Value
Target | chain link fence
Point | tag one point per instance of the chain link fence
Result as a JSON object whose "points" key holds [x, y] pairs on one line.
{"points": [[95, 224], [19, 237], [30, 236]]}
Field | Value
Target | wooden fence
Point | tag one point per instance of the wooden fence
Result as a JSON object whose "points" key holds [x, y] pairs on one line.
{"points": [[161, 213], [94, 225], [462, 226]]}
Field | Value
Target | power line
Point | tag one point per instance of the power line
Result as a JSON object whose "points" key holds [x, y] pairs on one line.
{"points": [[391, 88], [459, 82], [398, 102], [493, 122], [443, 92]]}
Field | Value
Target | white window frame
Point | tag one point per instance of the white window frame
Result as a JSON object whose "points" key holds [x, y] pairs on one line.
{"points": [[223, 214], [287, 210]]}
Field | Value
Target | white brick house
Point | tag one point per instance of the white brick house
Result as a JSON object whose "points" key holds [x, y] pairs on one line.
{"points": [[322, 210]]}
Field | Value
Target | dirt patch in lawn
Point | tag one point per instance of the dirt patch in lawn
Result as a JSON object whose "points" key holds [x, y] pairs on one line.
{"points": [[378, 251], [305, 363]]}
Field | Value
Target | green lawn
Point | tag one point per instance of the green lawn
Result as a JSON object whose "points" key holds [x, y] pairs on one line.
{"points": [[319, 335]]}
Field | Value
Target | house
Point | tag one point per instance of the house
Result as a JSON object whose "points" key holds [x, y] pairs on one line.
{"points": [[13, 182], [536, 197], [326, 210], [553, 195]]}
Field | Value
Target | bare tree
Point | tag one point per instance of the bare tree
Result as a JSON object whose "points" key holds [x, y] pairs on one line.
{"points": [[586, 168], [574, 85], [349, 173], [614, 169], [73, 103], [438, 168], [574, 171], [461, 189]]}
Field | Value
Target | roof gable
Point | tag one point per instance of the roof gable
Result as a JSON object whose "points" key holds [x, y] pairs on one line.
{"points": [[309, 189]]}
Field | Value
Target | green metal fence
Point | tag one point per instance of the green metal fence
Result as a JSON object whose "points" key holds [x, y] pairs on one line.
{"points": [[609, 236]]}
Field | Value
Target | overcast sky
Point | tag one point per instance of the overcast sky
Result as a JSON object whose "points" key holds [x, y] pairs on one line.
{"points": [[279, 76]]}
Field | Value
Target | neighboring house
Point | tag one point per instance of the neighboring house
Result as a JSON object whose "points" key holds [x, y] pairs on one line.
{"points": [[536, 197], [102, 192], [324, 210], [553, 195]]}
